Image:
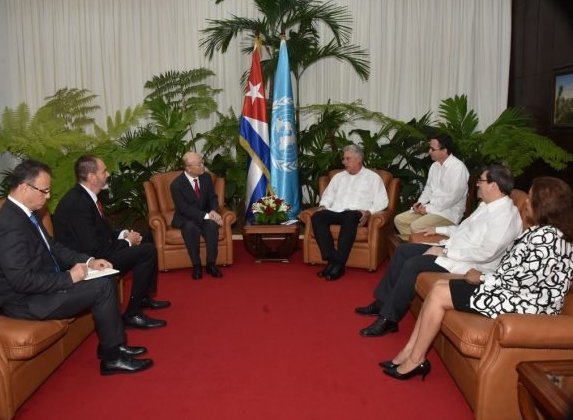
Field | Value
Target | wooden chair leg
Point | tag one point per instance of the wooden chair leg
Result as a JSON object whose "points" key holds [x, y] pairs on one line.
{"points": [[120, 289]]}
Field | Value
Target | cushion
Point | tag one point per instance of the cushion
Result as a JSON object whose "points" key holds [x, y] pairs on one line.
{"points": [[23, 339]]}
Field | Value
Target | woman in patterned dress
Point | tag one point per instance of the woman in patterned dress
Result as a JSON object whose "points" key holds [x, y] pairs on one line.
{"points": [[532, 278]]}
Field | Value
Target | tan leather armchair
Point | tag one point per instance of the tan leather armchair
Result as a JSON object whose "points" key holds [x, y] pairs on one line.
{"points": [[481, 354], [371, 246], [171, 250]]}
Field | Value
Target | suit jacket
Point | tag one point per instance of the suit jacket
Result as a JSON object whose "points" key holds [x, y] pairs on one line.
{"points": [[26, 266], [187, 205], [78, 225]]}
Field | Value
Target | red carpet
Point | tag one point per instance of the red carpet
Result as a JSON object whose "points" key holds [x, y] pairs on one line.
{"points": [[268, 341]]}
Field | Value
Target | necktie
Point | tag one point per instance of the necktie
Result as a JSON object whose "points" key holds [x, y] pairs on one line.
{"points": [[196, 188], [99, 207], [36, 223]]}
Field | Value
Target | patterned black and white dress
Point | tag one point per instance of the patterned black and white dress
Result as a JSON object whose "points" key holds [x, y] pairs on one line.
{"points": [[533, 277]]}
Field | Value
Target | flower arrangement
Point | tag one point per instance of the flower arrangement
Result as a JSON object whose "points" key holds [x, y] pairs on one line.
{"points": [[270, 210]]}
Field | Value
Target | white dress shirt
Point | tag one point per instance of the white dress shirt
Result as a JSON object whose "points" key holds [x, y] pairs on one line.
{"points": [[446, 189], [362, 191], [480, 241]]}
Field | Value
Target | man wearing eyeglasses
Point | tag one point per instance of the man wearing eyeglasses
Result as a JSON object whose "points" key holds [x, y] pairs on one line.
{"points": [[478, 242], [81, 224], [443, 200], [196, 213], [42, 279]]}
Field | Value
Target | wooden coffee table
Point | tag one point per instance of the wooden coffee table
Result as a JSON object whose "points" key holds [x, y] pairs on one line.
{"points": [[546, 388], [271, 242]]}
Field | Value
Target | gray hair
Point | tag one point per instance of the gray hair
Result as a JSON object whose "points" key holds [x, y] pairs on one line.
{"points": [[355, 149]]}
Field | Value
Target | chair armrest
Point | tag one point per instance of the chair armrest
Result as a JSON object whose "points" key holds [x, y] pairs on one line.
{"points": [[379, 219], [306, 214], [534, 331], [229, 217], [418, 238], [158, 226]]}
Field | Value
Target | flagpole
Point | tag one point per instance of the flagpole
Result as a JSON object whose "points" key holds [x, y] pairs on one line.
{"points": [[254, 134], [284, 148]]}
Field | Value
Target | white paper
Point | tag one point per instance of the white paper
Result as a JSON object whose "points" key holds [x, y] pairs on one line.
{"points": [[94, 274]]}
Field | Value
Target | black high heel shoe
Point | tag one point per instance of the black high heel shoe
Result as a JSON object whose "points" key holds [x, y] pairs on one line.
{"points": [[388, 364], [422, 369]]}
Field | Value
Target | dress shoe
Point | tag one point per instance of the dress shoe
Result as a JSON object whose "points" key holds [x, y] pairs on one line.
{"points": [[335, 272], [197, 273], [422, 369], [372, 309], [150, 303], [127, 350], [213, 270], [380, 327], [388, 365], [143, 321], [124, 364], [325, 270]]}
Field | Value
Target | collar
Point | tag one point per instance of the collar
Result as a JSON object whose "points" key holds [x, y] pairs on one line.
{"points": [[448, 160], [190, 178], [90, 192], [22, 206]]}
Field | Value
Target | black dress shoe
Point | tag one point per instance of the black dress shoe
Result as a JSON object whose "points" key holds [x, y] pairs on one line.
{"points": [[422, 369], [150, 303], [126, 350], [380, 327], [388, 365], [372, 309], [335, 272], [213, 270], [197, 273], [325, 270], [125, 364], [143, 321]]}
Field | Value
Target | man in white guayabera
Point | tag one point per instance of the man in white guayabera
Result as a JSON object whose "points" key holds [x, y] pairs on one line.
{"points": [[349, 200]]}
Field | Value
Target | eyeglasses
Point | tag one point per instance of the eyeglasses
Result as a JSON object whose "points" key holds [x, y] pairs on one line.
{"points": [[481, 180], [195, 164], [435, 149], [45, 191]]}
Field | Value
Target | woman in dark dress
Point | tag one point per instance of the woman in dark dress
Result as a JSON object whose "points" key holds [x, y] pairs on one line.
{"points": [[532, 278]]}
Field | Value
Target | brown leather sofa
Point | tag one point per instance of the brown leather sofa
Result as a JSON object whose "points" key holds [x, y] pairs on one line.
{"points": [[31, 350], [171, 250], [371, 245], [481, 353]]}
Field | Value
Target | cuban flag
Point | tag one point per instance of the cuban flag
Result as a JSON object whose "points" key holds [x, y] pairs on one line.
{"points": [[284, 150], [254, 134]]}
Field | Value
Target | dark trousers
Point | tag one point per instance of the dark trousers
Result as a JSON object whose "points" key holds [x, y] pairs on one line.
{"points": [[192, 232], [348, 221], [397, 287], [142, 260], [97, 295]]}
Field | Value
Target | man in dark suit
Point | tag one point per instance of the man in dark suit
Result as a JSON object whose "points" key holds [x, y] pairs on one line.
{"points": [[196, 213], [34, 283], [80, 224]]}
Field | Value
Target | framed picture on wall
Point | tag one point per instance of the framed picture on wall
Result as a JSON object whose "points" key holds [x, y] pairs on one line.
{"points": [[562, 115]]}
